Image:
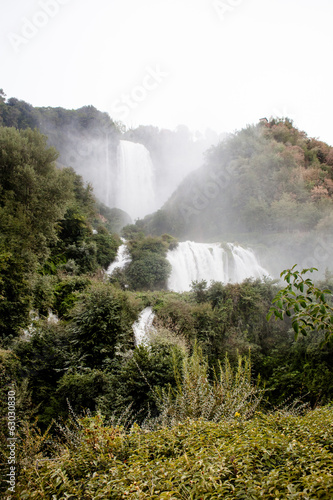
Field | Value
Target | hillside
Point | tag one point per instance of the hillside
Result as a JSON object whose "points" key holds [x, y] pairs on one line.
{"points": [[88, 140], [268, 185], [213, 377]]}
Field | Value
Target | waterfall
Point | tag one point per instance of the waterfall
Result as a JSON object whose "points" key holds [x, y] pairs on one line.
{"points": [[135, 192], [142, 327], [209, 261], [107, 171], [246, 264], [122, 258]]}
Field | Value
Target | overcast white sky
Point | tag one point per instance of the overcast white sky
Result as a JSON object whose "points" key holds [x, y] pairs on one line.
{"points": [[203, 63]]}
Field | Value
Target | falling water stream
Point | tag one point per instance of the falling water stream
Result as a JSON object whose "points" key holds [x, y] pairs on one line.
{"points": [[143, 326], [122, 258], [192, 261], [135, 180]]}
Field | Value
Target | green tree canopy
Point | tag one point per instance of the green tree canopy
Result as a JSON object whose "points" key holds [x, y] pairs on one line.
{"points": [[33, 197], [33, 194]]}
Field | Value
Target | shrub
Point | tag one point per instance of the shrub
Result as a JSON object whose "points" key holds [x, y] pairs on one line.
{"points": [[305, 303], [271, 456], [107, 246], [150, 272], [134, 378], [195, 396], [67, 293], [102, 320]]}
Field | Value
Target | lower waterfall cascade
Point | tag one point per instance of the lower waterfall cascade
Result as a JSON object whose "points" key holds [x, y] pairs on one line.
{"points": [[143, 325], [122, 258], [192, 261]]}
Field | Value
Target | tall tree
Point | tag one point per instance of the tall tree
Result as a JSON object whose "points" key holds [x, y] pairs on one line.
{"points": [[33, 197]]}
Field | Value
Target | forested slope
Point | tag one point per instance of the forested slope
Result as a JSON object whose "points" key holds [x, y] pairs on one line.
{"points": [[67, 346], [270, 185]]}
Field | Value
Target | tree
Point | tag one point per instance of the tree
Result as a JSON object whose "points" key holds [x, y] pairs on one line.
{"points": [[107, 246], [103, 319], [34, 193], [15, 295], [305, 303], [150, 272], [2, 96], [33, 197]]}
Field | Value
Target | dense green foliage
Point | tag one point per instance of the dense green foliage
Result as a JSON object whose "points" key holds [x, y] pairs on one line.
{"points": [[101, 322], [207, 347], [95, 339], [194, 396], [231, 319], [133, 382], [261, 174], [33, 197], [305, 302], [272, 456], [149, 269], [46, 217]]}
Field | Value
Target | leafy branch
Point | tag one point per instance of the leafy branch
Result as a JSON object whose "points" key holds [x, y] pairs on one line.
{"points": [[305, 303]]}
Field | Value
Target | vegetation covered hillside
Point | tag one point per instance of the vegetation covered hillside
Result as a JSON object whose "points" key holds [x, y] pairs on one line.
{"points": [[87, 141], [267, 184], [47, 216], [220, 401]]}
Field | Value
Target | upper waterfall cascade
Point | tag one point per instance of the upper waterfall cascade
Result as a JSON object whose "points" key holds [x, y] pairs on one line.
{"points": [[192, 261], [135, 192]]}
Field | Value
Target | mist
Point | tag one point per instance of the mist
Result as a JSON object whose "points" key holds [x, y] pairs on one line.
{"points": [[165, 75], [267, 187], [249, 188], [134, 170]]}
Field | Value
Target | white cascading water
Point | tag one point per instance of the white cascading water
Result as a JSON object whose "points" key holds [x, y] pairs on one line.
{"points": [[143, 326], [135, 192], [107, 172], [192, 261], [122, 258], [246, 264]]}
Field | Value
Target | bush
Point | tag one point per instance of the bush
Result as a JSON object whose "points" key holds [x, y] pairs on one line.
{"points": [[149, 269], [107, 246], [230, 394], [43, 359], [102, 320], [271, 456], [81, 390], [150, 272], [134, 379], [15, 296], [43, 294], [84, 254], [67, 293]]}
